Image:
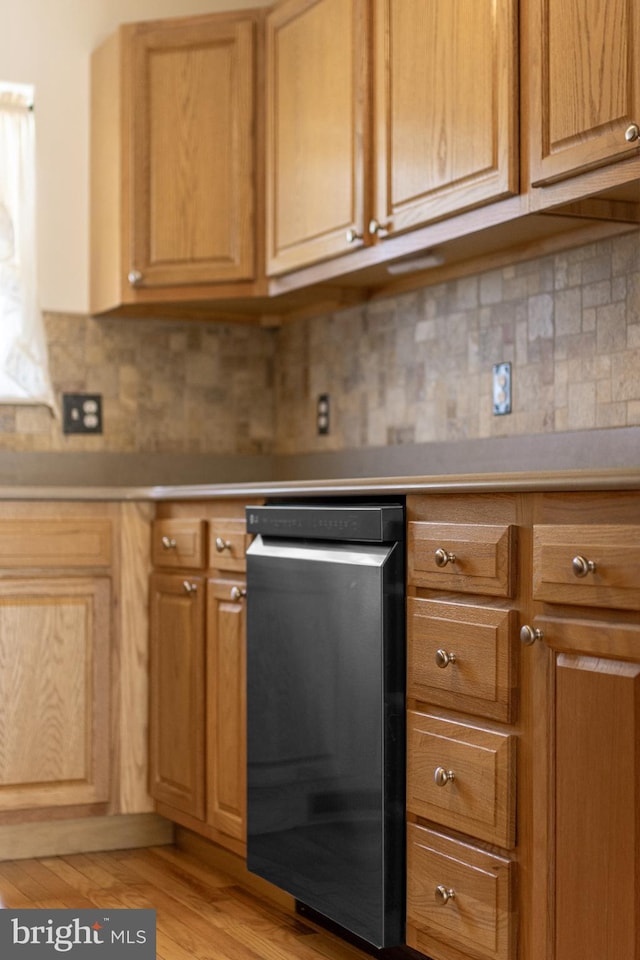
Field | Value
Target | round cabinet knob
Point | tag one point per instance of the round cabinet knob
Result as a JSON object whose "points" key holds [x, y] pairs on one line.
{"points": [[222, 545], [352, 235], [378, 229], [632, 133], [443, 659], [529, 635], [237, 593], [444, 894], [443, 557], [189, 588], [168, 543], [442, 777], [134, 277], [581, 566]]}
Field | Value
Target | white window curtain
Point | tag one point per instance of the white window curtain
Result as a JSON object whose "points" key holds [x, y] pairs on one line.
{"points": [[24, 371]]}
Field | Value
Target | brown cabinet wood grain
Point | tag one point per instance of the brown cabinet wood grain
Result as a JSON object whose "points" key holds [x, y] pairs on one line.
{"points": [[587, 565], [462, 656], [445, 80], [585, 662], [462, 776], [226, 706], [177, 691], [466, 558], [316, 55], [199, 743], [55, 691], [370, 138], [175, 202], [584, 85], [459, 898]]}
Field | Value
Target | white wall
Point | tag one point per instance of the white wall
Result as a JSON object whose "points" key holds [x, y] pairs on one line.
{"points": [[48, 43]]}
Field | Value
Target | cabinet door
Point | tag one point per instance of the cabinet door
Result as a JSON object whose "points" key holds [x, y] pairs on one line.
{"points": [[446, 97], [177, 667], [192, 128], [316, 102], [587, 855], [584, 84], [226, 706], [54, 692]]}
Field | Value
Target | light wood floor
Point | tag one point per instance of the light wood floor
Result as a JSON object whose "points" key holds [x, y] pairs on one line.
{"points": [[201, 913]]}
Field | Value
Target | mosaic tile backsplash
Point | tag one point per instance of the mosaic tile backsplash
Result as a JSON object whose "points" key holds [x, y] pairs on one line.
{"points": [[409, 369]]}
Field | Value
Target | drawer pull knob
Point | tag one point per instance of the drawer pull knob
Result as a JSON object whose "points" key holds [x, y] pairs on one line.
{"points": [[444, 894], [632, 133], [442, 777], [581, 566], [189, 588], [529, 635], [168, 543], [222, 545], [443, 557], [237, 593], [443, 659]]}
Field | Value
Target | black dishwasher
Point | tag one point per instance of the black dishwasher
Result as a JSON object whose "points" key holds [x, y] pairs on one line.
{"points": [[326, 708]]}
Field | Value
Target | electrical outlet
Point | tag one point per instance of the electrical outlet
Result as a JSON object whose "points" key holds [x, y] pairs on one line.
{"points": [[322, 414], [501, 389], [81, 413]]}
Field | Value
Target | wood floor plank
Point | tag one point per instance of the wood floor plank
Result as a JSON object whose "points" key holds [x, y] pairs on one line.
{"points": [[17, 874], [201, 912]]}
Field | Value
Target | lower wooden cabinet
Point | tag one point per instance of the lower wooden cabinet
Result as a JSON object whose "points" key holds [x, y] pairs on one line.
{"points": [[55, 679], [583, 649], [527, 705], [226, 706], [198, 672], [177, 667]]}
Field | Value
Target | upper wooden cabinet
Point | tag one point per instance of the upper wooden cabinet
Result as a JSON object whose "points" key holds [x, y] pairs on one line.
{"points": [[584, 85], [369, 138], [446, 85], [316, 129], [173, 154]]}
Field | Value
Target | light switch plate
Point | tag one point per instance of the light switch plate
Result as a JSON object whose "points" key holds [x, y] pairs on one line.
{"points": [[501, 389], [322, 414]]}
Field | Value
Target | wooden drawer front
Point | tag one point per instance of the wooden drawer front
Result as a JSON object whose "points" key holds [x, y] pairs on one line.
{"points": [[461, 656], [612, 549], [477, 917], [480, 798], [228, 543], [55, 543], [179, 543], [591, 638], [479, 557]]}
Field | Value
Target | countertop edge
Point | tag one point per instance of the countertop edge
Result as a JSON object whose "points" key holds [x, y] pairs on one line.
{"points": [[558, 480]]}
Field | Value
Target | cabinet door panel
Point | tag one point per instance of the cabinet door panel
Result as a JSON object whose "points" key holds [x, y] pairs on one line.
{"points": [[54, 692], [584, 83], [226, 706], [446, 100], [315, 128], [597, 831], [177, 692], [192, 149]]}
